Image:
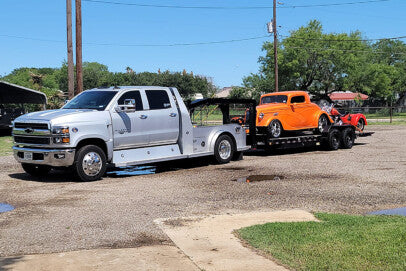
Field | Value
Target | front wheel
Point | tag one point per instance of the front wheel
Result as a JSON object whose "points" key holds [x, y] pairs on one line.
{"points": [[90, 163], [36, 170], [275, 129], [223, 149]]}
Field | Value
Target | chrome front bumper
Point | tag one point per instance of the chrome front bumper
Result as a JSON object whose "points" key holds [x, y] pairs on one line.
{"points": [[50, 157]]}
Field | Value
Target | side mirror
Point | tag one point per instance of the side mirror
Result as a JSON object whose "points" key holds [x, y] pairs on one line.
{"points": [[127, 107]]}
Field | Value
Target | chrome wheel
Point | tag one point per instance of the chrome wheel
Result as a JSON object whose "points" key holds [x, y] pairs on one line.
{"points": [[276, 129], [323, 123], [92, 164], [224, 149], [361, 125]]}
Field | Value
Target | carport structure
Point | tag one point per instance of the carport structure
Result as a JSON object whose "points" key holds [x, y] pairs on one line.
{"points": [[15, 94]]}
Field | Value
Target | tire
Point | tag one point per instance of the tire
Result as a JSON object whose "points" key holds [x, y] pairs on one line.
{"points": [[361, 124], [90, 163], [347, 138], [333, 140], [36, 170], [223, 149], [322, 124], [274, 129]]}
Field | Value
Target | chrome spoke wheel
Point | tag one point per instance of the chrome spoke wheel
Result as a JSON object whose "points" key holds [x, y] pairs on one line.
{"points": [[92, 164], [323, 122], [276, 129], [224, 149]]}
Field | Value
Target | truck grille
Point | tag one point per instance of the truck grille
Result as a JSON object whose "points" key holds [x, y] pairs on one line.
{"points": [[32, 140], [22, 125]]}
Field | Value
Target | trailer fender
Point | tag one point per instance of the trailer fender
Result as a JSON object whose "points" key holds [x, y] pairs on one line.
{"points": [[217, 134]]}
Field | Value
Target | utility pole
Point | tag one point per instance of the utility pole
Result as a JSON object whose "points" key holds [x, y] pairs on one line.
{"points": [[71, 83], [79, 71], [275, 46]]}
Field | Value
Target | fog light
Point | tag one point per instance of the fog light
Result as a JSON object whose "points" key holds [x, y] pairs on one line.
{"points": [[57, 140], [59, 156]]}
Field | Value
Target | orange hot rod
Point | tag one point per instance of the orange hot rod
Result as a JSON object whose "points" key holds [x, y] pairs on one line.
{"points": [[289, 111]]}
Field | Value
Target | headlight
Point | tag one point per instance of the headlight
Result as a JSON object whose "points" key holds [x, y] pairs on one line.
{"points": [[60, 130], [61, 135], [261, 116]]}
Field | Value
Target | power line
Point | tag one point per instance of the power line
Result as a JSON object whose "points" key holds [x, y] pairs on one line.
{"points": [[229, 7], [144, 45], [310, 39], [346, 50]]}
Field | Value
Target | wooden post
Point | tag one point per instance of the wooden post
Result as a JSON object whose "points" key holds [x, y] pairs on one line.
{"points": [[275, 47], [71, 83], [79, 71]]}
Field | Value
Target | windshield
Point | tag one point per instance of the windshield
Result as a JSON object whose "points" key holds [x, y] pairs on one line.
{"points": [[274, 99], [97, 100]]}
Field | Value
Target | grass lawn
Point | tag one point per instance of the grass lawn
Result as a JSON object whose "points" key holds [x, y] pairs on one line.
{"points": [[339, 242], [5, 145]]}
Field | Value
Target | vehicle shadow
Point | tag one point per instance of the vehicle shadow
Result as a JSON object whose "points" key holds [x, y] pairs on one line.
{"points": [[65, 176], [55, 176], [7, 263], [277, 152]]}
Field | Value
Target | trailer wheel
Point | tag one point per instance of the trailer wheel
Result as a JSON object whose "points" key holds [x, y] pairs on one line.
{"points": [[347, 138], [90, 163], [274, 129], [223, 149], [36, 170], [333, 140]]}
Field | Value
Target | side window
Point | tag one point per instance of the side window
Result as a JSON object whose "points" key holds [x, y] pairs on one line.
{"points": [[132, 95], [158, 99], [297, 99]]}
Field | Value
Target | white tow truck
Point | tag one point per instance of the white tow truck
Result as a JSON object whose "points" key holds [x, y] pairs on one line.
{"points": [[121, 126]]}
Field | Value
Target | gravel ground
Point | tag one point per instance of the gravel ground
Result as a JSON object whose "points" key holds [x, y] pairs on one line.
{"points": [[57, 214]]}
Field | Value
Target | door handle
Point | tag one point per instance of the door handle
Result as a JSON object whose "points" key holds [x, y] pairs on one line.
{"points": [[143, 117], [172, 115]]}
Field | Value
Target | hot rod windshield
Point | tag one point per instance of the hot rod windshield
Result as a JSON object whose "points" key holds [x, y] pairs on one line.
{"points": [[96, 100], [274, 99]]}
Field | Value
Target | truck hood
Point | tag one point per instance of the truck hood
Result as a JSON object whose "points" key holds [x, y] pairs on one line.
{"points": [[60, 116]]}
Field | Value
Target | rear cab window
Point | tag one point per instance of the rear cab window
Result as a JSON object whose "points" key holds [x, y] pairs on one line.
{"points": [[274, 99], [158, 99], [297, 99]]}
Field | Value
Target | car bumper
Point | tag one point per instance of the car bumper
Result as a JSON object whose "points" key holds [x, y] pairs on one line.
{"points": [[50, 157]]}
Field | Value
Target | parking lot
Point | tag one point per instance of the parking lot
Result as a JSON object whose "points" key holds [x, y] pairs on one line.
{"points": [[57, 214]]}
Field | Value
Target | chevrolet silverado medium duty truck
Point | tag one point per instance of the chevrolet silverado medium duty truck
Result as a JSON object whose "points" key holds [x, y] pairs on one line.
{"points": [[121, 126]]}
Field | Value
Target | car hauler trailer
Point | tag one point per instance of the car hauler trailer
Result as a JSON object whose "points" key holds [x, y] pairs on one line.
{"points": [[332, 137]]}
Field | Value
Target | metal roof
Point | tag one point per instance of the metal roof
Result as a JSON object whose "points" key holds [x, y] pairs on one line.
{"points": [[11, 93], [347, 96]]}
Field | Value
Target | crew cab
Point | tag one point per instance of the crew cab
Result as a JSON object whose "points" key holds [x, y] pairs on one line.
{"points": [[289, 111], [121, 126]]}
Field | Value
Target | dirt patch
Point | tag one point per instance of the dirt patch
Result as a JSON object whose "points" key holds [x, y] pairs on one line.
{"points": [[141, 239], [180, 222], [259, 178]]}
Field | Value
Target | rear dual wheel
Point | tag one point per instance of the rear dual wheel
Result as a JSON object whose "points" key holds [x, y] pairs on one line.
{"points": [[224, 149]]}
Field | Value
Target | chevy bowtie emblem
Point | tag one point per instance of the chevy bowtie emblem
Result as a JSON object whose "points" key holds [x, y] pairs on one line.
{"points": [[29, 130]]}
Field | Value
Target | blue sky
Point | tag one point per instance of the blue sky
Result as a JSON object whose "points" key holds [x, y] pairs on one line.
{"points": [[33, 33]]}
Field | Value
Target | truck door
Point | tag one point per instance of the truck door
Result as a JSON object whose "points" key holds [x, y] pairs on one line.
{"points": [[129, 128], [163, 117]]}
